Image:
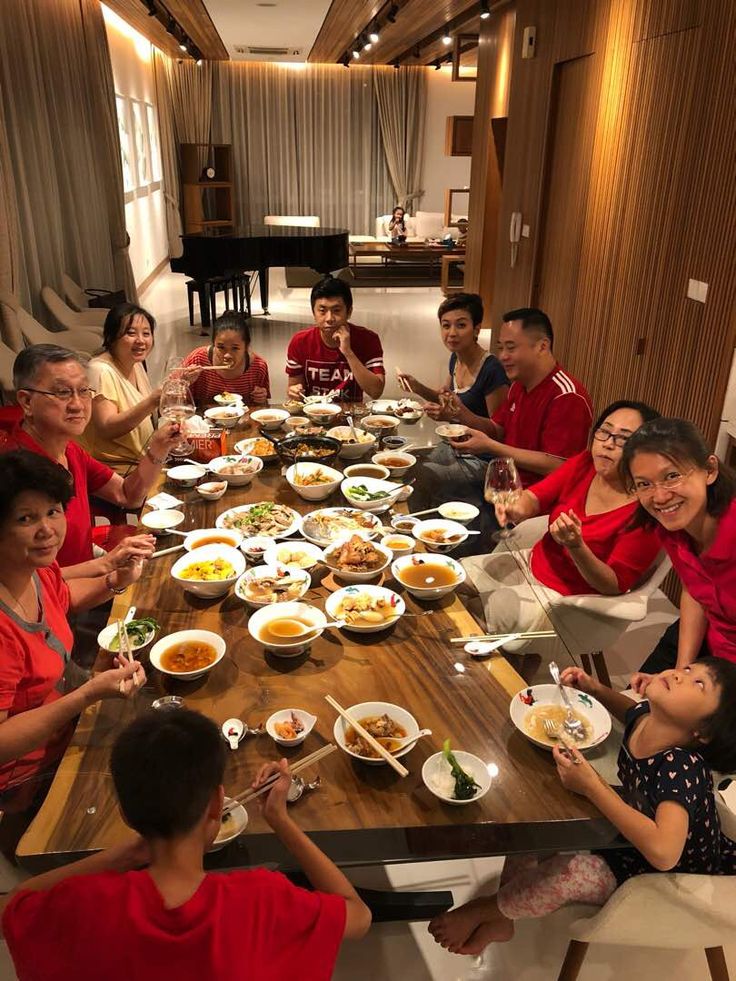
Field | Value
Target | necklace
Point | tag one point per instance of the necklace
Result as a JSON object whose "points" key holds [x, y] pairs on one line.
{"points": [[16, 602]]}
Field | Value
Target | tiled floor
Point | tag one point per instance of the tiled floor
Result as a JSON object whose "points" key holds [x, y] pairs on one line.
{"points": [[406, 322]]}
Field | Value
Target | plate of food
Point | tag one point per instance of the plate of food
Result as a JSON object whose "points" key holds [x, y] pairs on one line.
{"points": [[237, 470], [325, 526], [265, 519], [365, 609], [370, 494], [456, 777], [290, 727], [355, 442], [257, 446], [232, 825], [293, 555], [269, 419], [209, 571], [531, 707], [357, 559], [227, 415], [228, 398], [388, 723], [140, 633], [313, 481], [440, 535], [266, 584], [408, 410]]}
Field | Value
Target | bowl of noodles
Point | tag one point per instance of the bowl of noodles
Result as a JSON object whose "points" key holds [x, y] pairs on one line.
{"points": [[209, 571], [532, 706]]}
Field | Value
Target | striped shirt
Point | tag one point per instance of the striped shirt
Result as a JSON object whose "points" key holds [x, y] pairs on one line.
{"points": [[211, 383], [554, 417], [325, 368]]}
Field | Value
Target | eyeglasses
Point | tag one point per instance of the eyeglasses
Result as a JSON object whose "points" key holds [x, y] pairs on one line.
{"points": [[671, 482], [66, 394], [602, 435]]}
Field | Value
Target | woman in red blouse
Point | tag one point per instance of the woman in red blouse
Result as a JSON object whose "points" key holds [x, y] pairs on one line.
{"points": [[247, 374], [589, 547]]}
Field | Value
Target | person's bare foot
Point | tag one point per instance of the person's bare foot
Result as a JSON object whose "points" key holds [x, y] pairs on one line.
{"points": [[499, 930], [453, 929]]}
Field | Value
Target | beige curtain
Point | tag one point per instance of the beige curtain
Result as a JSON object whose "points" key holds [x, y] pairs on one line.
{"points": [[305, 141], [54, 83], [12, 278], [402, 102], [169, 151]]}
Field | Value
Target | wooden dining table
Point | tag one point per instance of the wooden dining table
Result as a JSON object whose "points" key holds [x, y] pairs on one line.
{"points": [[361, 814]]}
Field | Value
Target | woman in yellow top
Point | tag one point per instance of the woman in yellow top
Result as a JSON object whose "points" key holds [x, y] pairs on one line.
{"points": [[124, 402]]}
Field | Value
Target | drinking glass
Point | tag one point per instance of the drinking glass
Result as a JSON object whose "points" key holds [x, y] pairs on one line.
{"points": [[177, 405], [502, 486]]}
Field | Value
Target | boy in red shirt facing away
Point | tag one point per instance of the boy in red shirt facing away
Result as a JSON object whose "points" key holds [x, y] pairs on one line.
{"points": [[100, 918], [335, 354]]}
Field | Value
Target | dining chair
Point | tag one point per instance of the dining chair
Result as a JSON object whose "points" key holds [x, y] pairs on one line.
{"points": [[19, 329]]}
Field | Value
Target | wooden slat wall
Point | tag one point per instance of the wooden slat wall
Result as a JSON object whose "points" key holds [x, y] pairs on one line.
{"points": [[653, 202], [192, 16]]}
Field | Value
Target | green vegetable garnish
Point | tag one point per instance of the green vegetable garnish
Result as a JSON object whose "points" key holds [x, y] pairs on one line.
{"points": [[465, 786], [361, 493], [138, 631]]}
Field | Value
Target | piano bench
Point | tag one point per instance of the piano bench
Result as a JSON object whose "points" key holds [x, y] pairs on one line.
{"points": [[207, 292]]}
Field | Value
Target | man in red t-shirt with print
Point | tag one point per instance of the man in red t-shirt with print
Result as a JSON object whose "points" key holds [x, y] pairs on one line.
{"points": [[547, 414], [107, 917], [335, 354]]}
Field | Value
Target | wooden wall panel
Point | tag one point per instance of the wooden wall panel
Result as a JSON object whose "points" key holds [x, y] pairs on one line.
{"points": [[192, 15]]}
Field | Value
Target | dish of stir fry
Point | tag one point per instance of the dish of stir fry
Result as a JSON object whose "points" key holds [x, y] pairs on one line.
{"points": [[356, 555], [265, 518], [327, 524]]}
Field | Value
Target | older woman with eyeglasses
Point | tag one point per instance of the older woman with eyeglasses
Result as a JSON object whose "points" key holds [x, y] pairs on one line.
{"points": [[589, 547], [689, 498], [53, 391]]}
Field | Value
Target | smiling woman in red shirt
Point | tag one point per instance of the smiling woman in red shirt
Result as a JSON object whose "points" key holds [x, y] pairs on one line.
{"points": [[689, 498], [590, 546]]}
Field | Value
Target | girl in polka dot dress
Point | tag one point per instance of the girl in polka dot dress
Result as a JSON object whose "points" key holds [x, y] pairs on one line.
{"points": [[665, 809]]}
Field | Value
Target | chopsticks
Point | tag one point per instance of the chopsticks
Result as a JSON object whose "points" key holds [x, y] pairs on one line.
{"points": [[249, 795], [364, 734], [124, 643], [507, 636]]}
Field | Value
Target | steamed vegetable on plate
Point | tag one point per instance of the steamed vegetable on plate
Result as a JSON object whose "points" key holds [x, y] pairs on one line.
{"points": [[465, 786]]}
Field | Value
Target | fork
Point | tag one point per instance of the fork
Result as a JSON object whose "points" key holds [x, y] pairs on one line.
{"points": [[552, 731], [571, 724]]}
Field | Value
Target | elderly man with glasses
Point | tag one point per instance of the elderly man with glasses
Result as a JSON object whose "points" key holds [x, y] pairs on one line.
{"points": [[53, 392]]}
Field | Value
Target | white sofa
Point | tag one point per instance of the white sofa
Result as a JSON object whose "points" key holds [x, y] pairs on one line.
{"points": [[422, 225]]}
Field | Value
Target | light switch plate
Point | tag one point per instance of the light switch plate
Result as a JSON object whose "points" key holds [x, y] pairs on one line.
{"points": [[528, 44], [697, 290], [525, 231]]}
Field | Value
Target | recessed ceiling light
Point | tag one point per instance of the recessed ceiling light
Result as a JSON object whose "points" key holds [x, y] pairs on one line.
{"points": [[373, 37], [447, 39]]}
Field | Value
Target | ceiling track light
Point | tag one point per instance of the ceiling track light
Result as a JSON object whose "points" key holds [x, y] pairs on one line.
{"points": [[171, 26], [484, 11], [417, 51], [356, 54], [391, 16], [446, 39], [152, 12], [367, 46]]}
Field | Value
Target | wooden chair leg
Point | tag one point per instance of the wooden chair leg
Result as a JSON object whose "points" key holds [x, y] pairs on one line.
{"points": [[585, 661], [601, 668], [190, 301], [717, 963], [576, 951]]}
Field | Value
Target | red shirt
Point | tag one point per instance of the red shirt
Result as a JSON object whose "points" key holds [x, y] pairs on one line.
{"points": [[325, 368], [33, 657], [628, 552], [89, 475], [238, 926], [211, 383], [710, 578], [553, 417]]}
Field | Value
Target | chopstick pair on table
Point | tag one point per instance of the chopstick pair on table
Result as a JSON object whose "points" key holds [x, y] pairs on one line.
{"points": [[249, 795], [520, 635]]}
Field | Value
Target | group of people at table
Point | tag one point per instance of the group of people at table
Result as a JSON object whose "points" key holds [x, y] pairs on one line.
{"points": [[618, 489]]}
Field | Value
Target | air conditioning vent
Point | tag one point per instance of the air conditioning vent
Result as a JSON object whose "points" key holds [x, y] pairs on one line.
{"points": [[263, 52]]}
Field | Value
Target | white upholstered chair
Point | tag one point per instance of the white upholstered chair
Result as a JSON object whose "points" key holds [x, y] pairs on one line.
{"points": [[69, 319], [74, 294], [19, 329], [588, 624]]}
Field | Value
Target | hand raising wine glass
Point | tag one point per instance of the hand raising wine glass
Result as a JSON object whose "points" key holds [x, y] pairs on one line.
{"points": [[502, 487], [177, 405]]}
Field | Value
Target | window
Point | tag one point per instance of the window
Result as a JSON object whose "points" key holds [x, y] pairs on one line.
{"points": [[139, 147]]}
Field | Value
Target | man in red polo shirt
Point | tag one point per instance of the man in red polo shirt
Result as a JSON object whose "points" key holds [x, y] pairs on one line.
{"points": [[547, 414], [335, 354]]}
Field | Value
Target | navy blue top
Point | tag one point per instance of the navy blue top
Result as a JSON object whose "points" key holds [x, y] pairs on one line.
{"points": [[490, 377], [679, 775]]}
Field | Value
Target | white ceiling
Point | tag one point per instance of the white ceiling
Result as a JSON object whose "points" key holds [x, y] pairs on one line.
{"points": [[290, 24]]}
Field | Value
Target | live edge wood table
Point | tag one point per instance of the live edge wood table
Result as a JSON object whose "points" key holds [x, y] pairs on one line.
{"points": [[361, 815]]}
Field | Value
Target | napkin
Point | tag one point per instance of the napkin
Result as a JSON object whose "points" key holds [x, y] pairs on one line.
{"points": [[163, 501]]}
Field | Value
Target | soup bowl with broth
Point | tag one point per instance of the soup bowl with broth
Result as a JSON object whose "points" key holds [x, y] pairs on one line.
{"points": [[428, 576], [229, 537], [531, 706], [287, 629], [187, 654]]}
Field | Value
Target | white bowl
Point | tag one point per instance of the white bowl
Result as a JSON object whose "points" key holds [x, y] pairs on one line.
{"points": [[453, 528], [158, 522], [473, 766], [255, 547], [186, 475], [296, 422], [588, 706], [229, 398], [352, 451], [382, 407], [301, 611], [196, 539], [322, 412], [306, 719], [428, 592], [212, 490], [200, 636], [261, 572], [231, 827], [409, 410], [328, 537], [351, 577], [315, 492], [459, 511], [382, 458], [226, 416], [278, 553], [110, 632], [380, 425], [334, 600], [450, 430], [373, 486], [365, 710], [377, 473], [404, 523], [240, 479], [218, 587], [270, 419], [405, 548]]}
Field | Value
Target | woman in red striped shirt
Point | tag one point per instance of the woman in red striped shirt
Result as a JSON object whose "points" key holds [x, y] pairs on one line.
{"points": [[247, 373]]}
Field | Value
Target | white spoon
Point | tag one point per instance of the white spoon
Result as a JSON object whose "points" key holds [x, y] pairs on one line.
{"points": [[233, 730], [407, 740]]}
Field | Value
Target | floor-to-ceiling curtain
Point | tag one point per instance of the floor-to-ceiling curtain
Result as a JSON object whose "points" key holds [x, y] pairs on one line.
{"points": [[169, 151], [12, 278], [53, 81], [402, 100]]}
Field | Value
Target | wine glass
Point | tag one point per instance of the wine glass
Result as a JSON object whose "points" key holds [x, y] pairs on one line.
{"points": [[502, 486], [177, 405]]}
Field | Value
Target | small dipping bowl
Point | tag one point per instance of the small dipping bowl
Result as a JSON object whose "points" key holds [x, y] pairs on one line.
{"points": [[398, 544], [226, 416], [473, 766], [459, 511], [389, 458], [212, 490], [306, 719], [168, 702], [296, 422], [186, 475], [270, 419], [449, 430], [367, 470], [404, 524], [394, 442], [158, 522], [255, 547]]}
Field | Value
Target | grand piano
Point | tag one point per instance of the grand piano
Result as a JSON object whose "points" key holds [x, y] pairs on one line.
{"points": [[234, 251]]}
